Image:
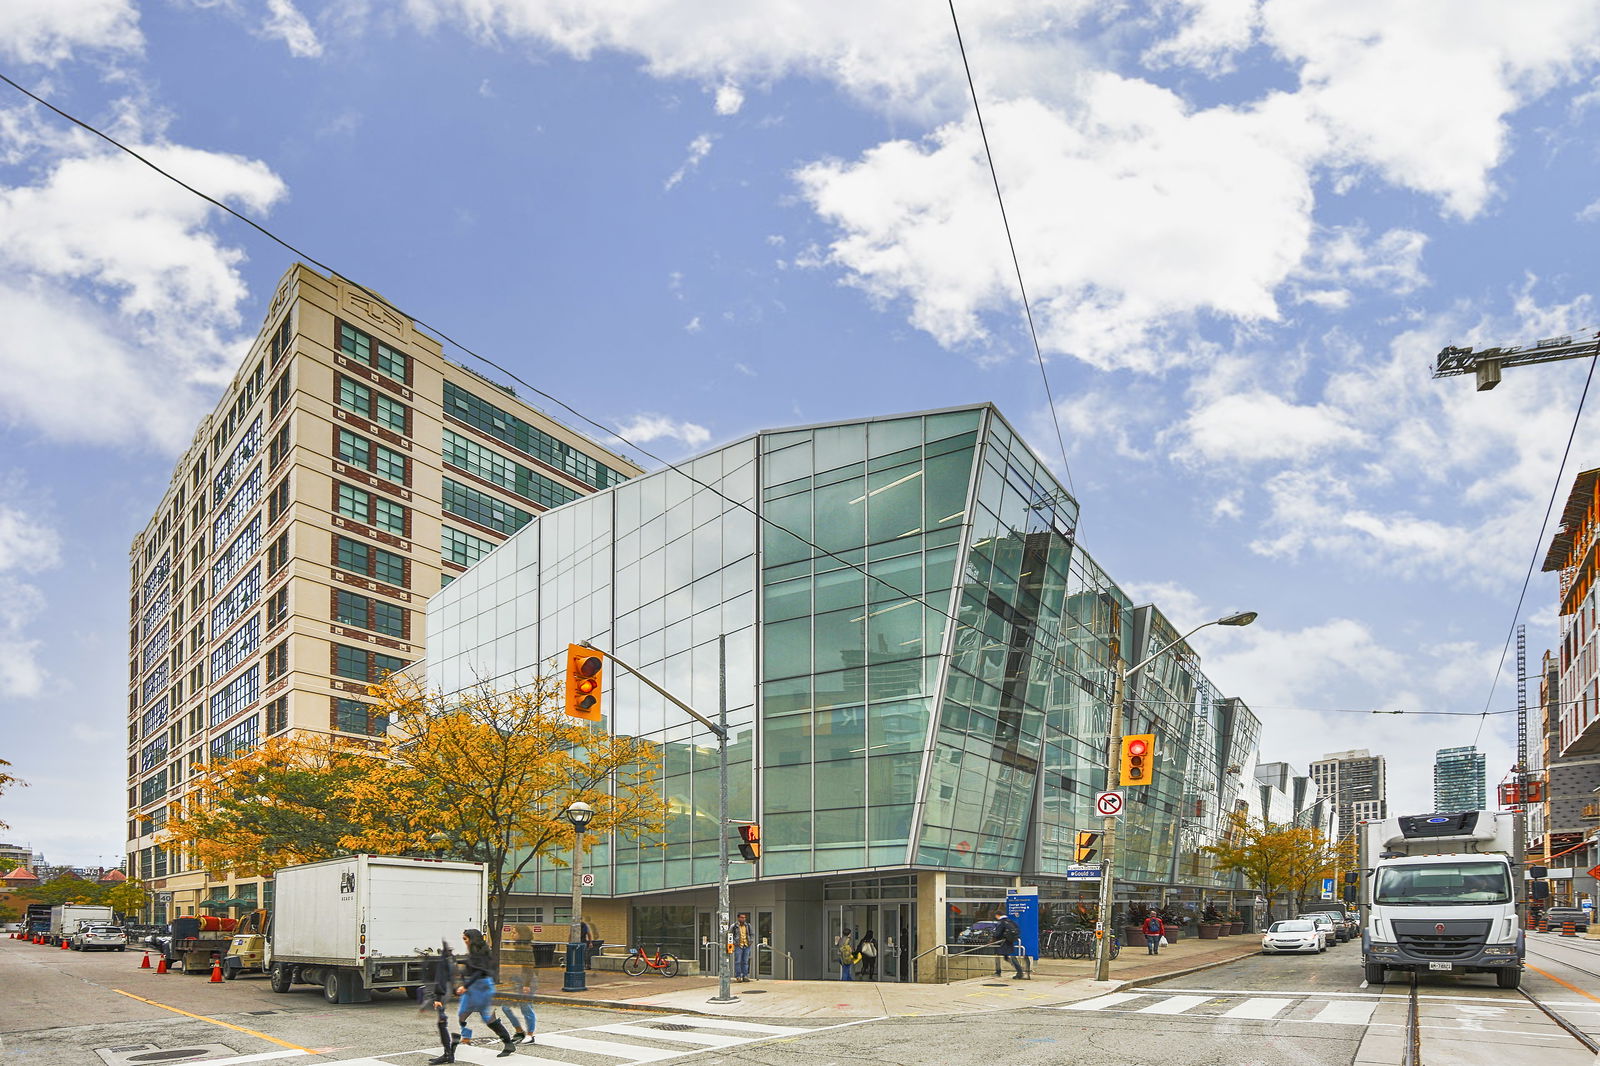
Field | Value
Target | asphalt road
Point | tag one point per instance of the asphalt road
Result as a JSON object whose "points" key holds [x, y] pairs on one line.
{"points": [[61, 1008]]}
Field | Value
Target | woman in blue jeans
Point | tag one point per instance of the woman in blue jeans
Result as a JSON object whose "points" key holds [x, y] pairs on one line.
{"points": [[476, 990]]}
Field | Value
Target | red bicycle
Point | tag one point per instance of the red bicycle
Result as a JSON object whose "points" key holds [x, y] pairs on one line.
{"points": [[638, 962]]}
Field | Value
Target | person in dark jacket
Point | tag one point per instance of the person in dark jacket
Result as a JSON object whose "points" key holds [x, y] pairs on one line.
{"points": [[1007, 934], [439, 995], [867, 948], [476, 989]]}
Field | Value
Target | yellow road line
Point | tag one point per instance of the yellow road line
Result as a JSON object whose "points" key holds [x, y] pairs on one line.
{"points": [[1562, 983], [213, 1021]]}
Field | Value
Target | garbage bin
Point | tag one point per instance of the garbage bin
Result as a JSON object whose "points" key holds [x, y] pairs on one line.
{"points": [[544, 954]]}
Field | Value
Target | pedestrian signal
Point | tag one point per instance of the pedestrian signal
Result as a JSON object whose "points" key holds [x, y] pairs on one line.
{"points": [[1088, 847], [750, 842], [584, 669], [1137, 751]]}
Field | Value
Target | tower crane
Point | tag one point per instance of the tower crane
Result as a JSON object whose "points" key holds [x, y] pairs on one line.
{"points": [[1487, 364]]}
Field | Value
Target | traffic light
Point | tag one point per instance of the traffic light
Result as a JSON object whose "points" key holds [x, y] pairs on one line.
{"points": [[1137, 751], [1088, 847], [584, 668], [750, 842]]}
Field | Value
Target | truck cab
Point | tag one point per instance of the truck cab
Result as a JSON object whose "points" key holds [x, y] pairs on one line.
{"points": [[1442, 893]]}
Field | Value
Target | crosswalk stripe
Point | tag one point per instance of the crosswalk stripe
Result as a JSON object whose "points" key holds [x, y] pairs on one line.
{"points": [[1102, 1002], [631, 1052], [1257, 1007], [727, 1023], [1347, 1012], [1173, 1005], [478, 1056], [715, 1040]]}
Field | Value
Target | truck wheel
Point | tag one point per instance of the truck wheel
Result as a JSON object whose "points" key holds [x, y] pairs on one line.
{"points": [[1374, 973], [1510, 977], [230, 973], [282, 978]]}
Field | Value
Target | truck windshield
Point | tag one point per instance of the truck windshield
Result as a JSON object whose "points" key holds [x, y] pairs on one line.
{"points": [[1466, 882]]}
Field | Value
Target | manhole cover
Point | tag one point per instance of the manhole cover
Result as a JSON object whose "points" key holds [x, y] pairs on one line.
{"points": [[754, 992], [167, 1056], [258, 1013], [995, 984]]}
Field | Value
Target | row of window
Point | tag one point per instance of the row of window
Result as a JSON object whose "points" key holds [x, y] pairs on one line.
{"points": [[370, 509], [464, 501], [374, 458], [239, 599], [235, 696], [362, 664], [231, 561], [462, 548], [504, 426], [376, 354], [374, 406], [239, 646], [247, 497], [365, 612], [369, 561], [249, 445], [495, 468]]}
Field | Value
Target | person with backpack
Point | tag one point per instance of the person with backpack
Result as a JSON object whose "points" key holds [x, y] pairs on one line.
{"points": [[848, 958], [1154, 929], [1006, 935]]}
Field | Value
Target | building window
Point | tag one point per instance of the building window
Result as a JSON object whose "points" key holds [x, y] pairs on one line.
{"points": [[375, 563], [246, 450], [246, 544], [278, 607], [238, 740], [502, 425], [375, 354], [153, 753], [280, 341], [353, 716], [236, 696], [278, 501], [243, 501], [463, 501], [278, 553], [474, 458], [280, 395], [365, 612], [239, 599], [153, 788], [278, 450], [463, 548], [358, 451], [277, 661], [364, 665], [278, 715], [370, 509], [373, 406], [239, 646]]}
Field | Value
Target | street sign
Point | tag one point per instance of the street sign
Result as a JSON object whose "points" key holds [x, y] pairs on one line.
{"points": [[587, 879], [1022, 904], [1594, 871], [1108, 804], [1083, 873], [1327, 888]]}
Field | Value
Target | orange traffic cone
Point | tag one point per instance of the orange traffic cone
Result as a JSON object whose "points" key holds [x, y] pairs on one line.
{"points": [[162, 966], [216, 970], [145, 965], [1569, 929], [64, 944]]}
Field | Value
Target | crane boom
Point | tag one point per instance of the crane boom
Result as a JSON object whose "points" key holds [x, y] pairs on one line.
{"points": [[1488, 363]]}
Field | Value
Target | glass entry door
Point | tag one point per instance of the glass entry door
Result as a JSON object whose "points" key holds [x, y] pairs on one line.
{"points": [[892, 926]]}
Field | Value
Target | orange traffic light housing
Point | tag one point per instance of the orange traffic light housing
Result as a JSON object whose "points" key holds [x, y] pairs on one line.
{"points": [[585, 668], [1088, 847], [1138, 754], [750, 842]]}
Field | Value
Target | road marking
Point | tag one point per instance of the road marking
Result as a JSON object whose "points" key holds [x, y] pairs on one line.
{"points": [[1257, 1007], [1173, 1005], [263, 1057], [742, 1027], [1562, 983], [1104, 1001], [213, 1021], [478, 1056], [630, 1052], [1343, 1012]]}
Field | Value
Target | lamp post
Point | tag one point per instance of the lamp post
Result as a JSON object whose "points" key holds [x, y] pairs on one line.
{"points": [[579, 814], [1102, 966]]}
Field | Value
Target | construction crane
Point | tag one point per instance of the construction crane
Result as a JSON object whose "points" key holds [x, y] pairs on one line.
{"points": [[1487, 364]]}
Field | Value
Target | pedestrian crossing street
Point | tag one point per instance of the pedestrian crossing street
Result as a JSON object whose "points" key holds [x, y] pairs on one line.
{"points": [[650, 1039], [1349, 1009]]}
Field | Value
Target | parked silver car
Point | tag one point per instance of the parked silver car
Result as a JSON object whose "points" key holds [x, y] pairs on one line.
{"points": [[109, 937], [1331, 930], [1341, 927]]}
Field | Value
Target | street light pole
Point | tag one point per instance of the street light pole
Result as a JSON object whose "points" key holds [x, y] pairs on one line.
{"points": [[579, 815], [1102, 965]]}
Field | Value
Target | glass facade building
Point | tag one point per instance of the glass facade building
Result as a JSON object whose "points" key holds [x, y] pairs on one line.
{"points": [[919, 668]]}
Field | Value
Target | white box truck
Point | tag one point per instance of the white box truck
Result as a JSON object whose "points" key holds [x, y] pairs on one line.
{"points": [[66, 917], [369, 921], [1442, 893]]}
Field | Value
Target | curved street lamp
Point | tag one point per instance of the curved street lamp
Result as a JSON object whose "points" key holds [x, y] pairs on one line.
{"points": [[580, 814], [1108, 834]]}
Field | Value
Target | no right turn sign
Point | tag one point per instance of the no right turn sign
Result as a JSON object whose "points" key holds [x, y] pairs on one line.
{"points": [[1108, 804]]}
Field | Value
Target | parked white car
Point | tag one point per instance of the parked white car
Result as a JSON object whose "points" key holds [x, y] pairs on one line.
{"points": [[1294, 935], [1330, 931], [109, 937]]}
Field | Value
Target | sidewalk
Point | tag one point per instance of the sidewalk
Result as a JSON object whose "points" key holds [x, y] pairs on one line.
{"points": [[1054, 981]]}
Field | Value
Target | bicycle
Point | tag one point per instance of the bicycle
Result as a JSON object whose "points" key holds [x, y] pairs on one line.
{"points": [[638, 961]]}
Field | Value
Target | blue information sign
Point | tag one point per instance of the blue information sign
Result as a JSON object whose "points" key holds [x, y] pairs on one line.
{"points": [[1327, 888], [1022, 904]]}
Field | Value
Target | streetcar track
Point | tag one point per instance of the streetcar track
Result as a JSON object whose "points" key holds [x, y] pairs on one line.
{"points": [[1413, 1036], [1539, 945], [1413, 1041]]}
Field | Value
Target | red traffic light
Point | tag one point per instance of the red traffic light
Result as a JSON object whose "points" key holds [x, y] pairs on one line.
{"points": [[1137, 747]]}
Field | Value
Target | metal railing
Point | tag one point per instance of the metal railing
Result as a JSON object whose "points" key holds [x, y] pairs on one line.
{"points": [[957, 962], [788, 962]]}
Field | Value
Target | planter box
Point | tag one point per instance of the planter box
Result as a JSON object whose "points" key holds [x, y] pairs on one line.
{"points": [[1238, 929], [1209, 930], [1133, 937]]}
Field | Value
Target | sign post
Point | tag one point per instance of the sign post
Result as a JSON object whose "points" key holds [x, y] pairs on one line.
{"points": [[1327, 888], [1022, 904]]}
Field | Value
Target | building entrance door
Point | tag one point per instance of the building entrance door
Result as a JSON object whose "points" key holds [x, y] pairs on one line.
{"points": [[893, 929]]}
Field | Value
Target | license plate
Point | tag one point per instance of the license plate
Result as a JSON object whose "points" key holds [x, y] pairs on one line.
{"points": [[1441, 966]]}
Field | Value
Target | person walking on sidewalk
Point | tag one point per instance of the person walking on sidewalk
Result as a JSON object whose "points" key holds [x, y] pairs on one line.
{"points": [[1006, 936], [867, 949], [439, 995], [1154, 929], [476, 989], [743, 942]]}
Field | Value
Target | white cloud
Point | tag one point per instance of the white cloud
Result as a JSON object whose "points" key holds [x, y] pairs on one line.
{"points": [[285, 22], [693, 325], [27, 545], [1342, 258], [1210, 33], [50, 31], [730, 98], [1253, 426], [699, 148], [648, 427]]}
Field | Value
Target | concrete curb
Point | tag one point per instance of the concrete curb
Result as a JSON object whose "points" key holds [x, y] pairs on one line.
{"points": [[1140, 982]]}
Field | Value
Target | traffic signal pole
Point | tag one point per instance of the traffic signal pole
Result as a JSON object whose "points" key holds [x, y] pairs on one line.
{"points": [[720, 729], [1104, 930]]}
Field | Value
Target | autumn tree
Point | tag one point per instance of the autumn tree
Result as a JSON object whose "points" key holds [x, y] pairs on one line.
{"points": [[485, 775], [8, 781], [278, 805], [127, 897], [1312, 857], [1261, 850]]}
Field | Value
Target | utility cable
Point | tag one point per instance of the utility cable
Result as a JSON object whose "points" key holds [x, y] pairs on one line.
{"points": [[1016, 264], [1555, 492]]}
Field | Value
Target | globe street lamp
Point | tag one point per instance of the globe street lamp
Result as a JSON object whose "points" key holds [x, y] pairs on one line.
{"points": [[1102, 969], [579, 814]]}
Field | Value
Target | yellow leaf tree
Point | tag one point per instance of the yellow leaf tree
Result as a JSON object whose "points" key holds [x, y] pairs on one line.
{"points": [[485, 775], [1312, 857], [276, 805], [1263, 851], [9, 781]]}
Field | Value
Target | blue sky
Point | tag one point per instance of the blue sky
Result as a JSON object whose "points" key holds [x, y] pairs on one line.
{"points": [[1246, 228]]}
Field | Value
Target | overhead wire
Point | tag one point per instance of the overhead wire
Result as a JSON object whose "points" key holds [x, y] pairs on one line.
{"points": [[1555, 492]]}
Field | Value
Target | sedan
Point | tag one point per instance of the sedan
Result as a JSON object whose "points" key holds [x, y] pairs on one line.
{"points": [[1559, 916], [1294, 935], [978, 933], [1334, 932], [109, 937]]}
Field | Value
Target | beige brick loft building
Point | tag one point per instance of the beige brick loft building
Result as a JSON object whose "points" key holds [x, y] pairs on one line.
{"points": [[348, 473]]}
